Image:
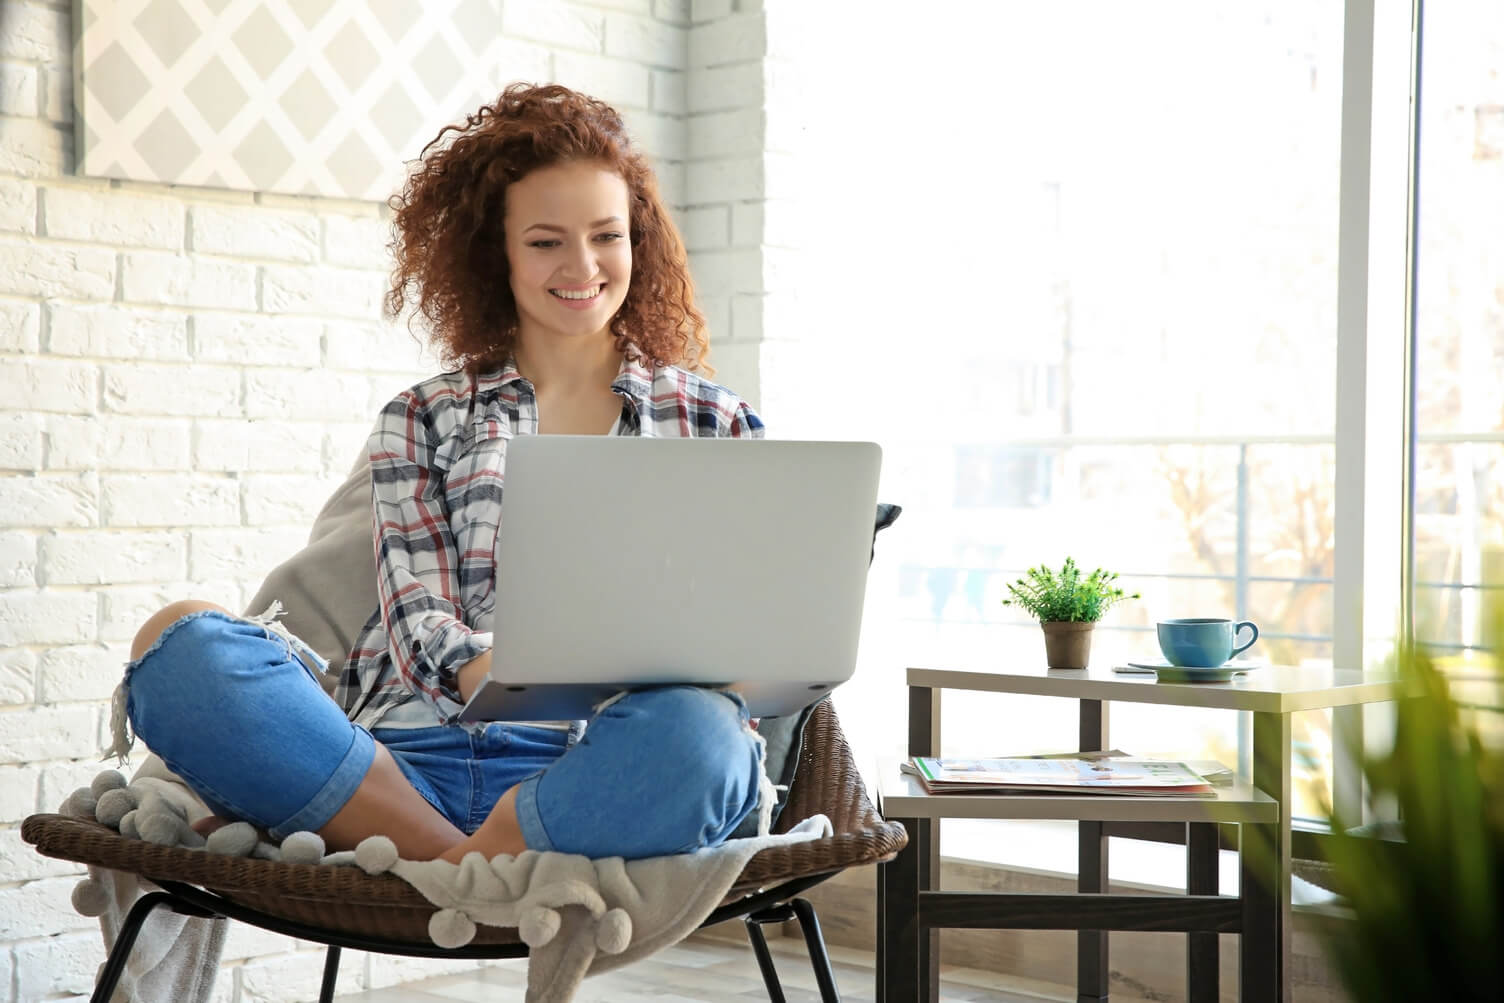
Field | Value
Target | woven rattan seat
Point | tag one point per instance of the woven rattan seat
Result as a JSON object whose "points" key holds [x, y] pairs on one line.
{"points": [[382, 912]]}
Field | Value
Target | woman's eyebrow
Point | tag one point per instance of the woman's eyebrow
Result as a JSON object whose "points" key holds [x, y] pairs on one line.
{"points": [[559, 229]]}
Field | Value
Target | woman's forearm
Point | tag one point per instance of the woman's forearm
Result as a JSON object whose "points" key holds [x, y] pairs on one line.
{"points": [[471, 673]]}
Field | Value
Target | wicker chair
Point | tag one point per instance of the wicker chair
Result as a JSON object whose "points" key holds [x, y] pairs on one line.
{"points": [[345, 907]]}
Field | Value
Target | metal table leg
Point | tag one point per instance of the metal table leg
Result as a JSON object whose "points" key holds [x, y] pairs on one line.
{"points": [[924, 740], [1093, 977], [901, 961], [1201, 949], [1264, 870]]}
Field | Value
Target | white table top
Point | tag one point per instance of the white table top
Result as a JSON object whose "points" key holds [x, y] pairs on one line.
{"points": [[901, 795], [1281, 689]]}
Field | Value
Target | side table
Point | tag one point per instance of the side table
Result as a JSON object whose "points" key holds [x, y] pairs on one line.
{"points": [[911, 911], [909, 907]]}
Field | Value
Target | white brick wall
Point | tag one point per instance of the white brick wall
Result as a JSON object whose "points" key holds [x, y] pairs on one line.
{"points": [[116, 332], [18, 559], [54, 966], [188, 372], [99, 216], [725, 182], [17, 676]]}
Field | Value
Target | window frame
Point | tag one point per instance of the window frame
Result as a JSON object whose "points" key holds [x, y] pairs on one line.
{"points": [[1373, 567]]}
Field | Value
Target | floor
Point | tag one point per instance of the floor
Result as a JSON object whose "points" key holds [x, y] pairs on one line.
{"points": [[702, 970]]}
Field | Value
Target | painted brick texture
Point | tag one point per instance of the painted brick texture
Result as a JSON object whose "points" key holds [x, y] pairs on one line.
{"points": [[188, 372]]}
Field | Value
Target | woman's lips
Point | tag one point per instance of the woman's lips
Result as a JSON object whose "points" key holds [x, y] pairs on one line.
{"points": [[574, 300]]}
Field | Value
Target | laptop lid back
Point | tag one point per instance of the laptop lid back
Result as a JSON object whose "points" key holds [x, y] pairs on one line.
{"points": [[629, 561]]}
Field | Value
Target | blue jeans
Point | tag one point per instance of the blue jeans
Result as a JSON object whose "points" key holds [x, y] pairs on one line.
{"points": [[229, 707]]}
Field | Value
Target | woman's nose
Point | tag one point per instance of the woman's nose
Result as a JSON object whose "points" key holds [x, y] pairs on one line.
{"points": [[579, 262]]}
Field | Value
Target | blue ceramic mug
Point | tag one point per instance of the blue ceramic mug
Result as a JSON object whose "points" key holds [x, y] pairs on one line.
{"points": [[1199, 642]]}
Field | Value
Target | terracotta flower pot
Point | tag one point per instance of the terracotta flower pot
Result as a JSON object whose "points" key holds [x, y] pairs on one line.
{"points": [[1067, 645]]}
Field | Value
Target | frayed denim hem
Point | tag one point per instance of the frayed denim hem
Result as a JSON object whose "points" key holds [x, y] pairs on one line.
{"points": [[534, 836], [122, 738]]}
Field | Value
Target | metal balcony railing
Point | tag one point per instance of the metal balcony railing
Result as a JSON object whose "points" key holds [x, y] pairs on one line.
{"points": [[1242, 577]]}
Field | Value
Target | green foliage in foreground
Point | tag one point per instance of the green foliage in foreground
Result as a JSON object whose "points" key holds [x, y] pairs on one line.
{"points": [[1428, 909], [1066, 596]]}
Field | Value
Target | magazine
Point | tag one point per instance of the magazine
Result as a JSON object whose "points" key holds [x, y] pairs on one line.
{"points": [[1089, 774]]}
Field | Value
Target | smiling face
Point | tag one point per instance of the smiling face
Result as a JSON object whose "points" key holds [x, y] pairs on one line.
{"points": [[569, 250]]}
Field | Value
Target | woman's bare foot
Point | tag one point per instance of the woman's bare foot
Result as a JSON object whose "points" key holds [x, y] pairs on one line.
{"points": [[499, 833], [210, 823], [213, 823]]}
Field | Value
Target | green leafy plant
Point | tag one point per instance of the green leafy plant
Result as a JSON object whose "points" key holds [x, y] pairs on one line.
{"points": [[1426, 897], [1066, 595]]}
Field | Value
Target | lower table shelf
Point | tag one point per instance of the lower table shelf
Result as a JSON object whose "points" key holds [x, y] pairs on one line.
{"points": [[901, 795], [911, 908]]}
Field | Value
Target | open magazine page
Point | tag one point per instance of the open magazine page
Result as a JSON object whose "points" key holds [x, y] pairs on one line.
{"points": [[1105, 775]]}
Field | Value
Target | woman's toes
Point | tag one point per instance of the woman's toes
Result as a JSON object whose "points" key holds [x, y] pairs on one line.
{"points": [[210, 823]]}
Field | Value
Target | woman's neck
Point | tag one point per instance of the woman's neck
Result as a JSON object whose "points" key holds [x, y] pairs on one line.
{"points": [[566, 366]]}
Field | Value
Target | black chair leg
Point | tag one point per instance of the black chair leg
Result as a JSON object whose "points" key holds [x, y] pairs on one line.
{"points": [[825, 976], [331, 974], [801, 910], [114, 965], [764, 956]]}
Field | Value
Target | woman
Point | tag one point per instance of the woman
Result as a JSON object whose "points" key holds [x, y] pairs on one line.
{"points": [[536, 249]]}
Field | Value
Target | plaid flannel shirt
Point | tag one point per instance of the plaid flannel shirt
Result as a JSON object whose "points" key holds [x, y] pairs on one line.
{"points": [[438, 455]]}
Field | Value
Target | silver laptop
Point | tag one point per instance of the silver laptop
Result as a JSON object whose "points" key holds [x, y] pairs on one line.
{"points": [[625, 562]]}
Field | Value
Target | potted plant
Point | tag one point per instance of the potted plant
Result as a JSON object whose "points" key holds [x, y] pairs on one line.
{"points": [[1067, 605], [1424, 896]]}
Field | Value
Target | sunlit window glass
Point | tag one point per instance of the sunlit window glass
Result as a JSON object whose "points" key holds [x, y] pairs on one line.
{"points": [[1083, 256], [1459, 330]]}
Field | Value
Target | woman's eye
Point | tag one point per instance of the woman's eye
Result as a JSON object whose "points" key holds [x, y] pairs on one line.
{"points": [[606, 238], [543, 243]]}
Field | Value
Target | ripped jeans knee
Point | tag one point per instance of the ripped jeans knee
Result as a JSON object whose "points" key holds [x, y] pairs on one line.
{"points": [[233, 705]]}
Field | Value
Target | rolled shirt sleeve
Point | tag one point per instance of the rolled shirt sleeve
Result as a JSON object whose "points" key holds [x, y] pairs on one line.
{"points": [[417, 563], [745, 423]]}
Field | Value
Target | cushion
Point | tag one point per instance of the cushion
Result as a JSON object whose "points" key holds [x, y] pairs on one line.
{"points": [[784, 737], [328, 592], [328, 589]]}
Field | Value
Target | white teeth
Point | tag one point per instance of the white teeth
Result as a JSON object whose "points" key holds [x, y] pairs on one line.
{"points": [[576, 294]]}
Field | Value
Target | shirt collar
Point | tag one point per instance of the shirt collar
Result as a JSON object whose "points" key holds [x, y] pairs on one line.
{"points": [[506, 375], [634, 379]]}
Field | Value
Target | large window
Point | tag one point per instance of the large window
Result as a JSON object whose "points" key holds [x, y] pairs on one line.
{"points": [[1459, 326], [1079, 263]]}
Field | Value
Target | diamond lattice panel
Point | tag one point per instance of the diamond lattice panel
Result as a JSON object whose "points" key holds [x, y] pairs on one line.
{"points": [[307, 97]]}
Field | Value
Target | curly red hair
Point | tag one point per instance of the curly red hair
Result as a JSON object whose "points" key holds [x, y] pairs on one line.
{"points": [[450, 242]]}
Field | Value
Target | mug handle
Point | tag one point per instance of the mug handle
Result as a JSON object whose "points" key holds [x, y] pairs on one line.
{"points": [[1237, 629]]}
